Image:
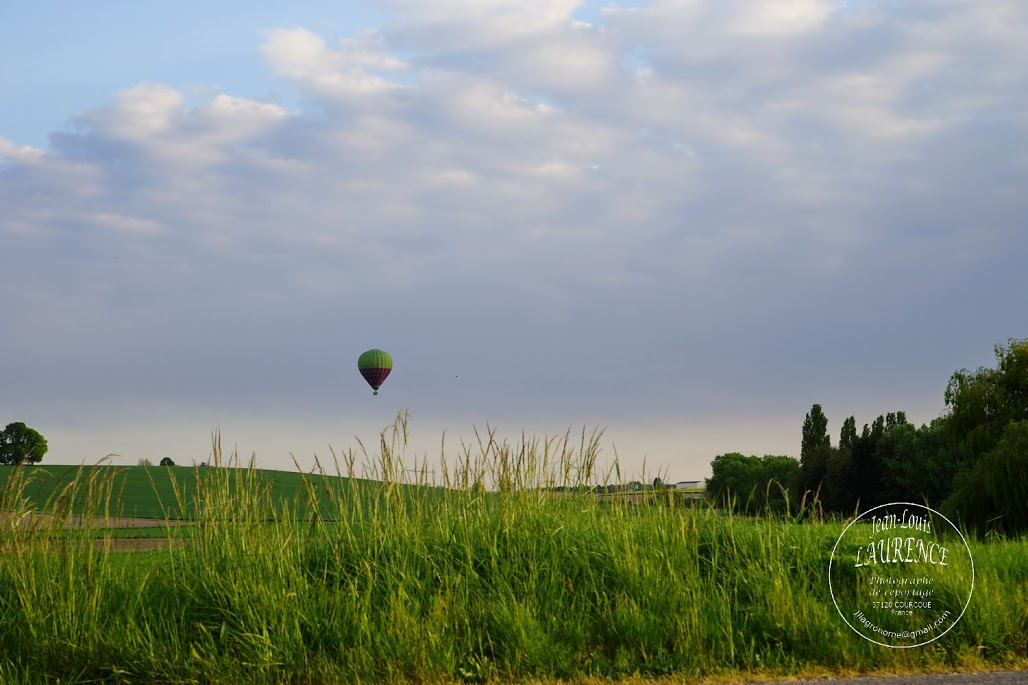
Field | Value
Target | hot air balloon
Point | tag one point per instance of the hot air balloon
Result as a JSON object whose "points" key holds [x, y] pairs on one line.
{"points": [[375, 365]]}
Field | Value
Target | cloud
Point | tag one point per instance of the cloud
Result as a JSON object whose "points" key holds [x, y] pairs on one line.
{"points": [[778, 17], [24, 154], [346, 71], [553, 130], [480, 24]]}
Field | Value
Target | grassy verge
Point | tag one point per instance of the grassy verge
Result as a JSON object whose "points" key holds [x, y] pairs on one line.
{"points": [[405, 583]]}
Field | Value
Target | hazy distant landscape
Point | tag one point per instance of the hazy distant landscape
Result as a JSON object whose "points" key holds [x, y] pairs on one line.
{"points": [[309, 578]]}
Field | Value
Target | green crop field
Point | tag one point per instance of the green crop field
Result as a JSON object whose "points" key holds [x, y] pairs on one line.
{"points": [[290, 578], [155, 492]]}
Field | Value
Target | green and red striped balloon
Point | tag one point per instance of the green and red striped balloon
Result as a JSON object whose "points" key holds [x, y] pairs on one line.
{"points": [[375, 365]]}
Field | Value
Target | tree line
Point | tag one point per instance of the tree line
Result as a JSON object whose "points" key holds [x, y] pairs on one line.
{"points": [[971, 463]]}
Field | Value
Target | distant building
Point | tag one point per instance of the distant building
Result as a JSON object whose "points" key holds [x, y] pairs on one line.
{"points": [[688, 484]]}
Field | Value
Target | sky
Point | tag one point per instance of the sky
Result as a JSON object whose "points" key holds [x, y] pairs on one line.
{"points": [[681, 222]]}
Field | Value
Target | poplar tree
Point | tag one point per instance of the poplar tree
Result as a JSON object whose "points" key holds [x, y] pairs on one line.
{"points": [[815, 450], [848, 435], [815, 431]]}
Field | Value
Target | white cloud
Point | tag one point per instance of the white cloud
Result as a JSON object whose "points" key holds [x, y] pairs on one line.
{"points": [[344, 72], [782, 17], [464, 140], [140, 112], [24, 154], [476, 24], [154, 120]]}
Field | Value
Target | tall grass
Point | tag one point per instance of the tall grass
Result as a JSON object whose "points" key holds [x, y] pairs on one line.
{"points": [[481, 573]]}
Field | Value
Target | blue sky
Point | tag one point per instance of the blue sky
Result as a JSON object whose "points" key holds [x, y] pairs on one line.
{"points": [[684, 222]]}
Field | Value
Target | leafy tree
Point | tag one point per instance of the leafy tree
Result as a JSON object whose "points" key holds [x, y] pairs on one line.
{"points": [[982, 406], [837, 491], [880, 487], [779, 477], [876, 430], [733, 478], [848, 435], [751, 484], [856, 473], [815, 431], [813, 468], [893, 419], [925, 463], [870, 454], [20, 444], [167, 462], [993, 495], [981, 403], [815, 449], [891, 460]]}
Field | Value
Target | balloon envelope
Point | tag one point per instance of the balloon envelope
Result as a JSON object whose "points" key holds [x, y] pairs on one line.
{"points": [[375, 365]]}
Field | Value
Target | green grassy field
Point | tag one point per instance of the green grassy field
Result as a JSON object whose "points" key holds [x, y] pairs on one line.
{"points": [[332, 580], [157, 492]]}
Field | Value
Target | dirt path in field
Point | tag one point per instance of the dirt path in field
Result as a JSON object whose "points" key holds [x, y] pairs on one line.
{"points": [[136, 544], [39, 520]]}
